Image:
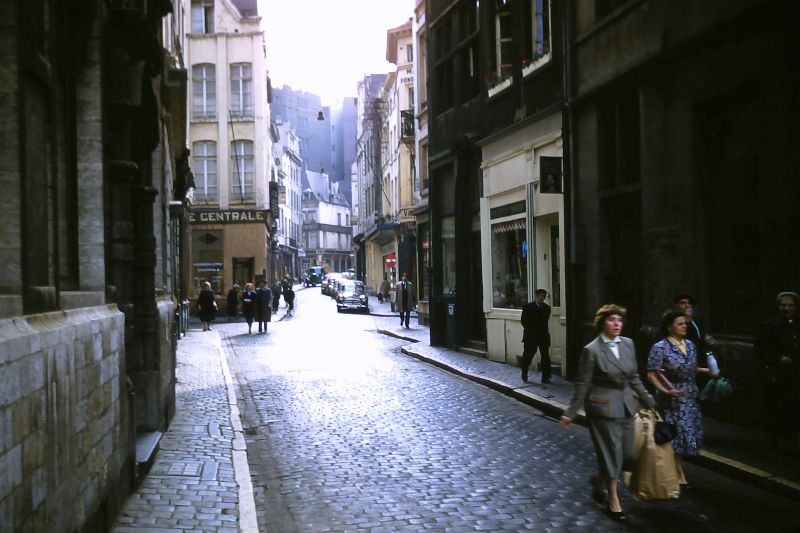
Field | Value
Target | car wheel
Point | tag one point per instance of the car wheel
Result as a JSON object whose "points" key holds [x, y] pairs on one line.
{"points": [[338, 309]]}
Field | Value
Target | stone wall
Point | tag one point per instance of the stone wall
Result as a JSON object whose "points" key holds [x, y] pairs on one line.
{"points": [[65, 434]]}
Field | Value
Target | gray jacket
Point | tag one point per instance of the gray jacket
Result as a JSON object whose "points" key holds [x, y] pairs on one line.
{"points": [[608, 387]]}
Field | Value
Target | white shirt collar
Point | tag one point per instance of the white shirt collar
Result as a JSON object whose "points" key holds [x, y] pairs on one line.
{"points": [[607, 340]]}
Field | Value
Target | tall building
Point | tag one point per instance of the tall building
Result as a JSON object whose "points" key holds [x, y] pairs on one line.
{"points": [[229, 131], [424, 267], [343, 141], [288, 175], [94, 186], [312, 123]]}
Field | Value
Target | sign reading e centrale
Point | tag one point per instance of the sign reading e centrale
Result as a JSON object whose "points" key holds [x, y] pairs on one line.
{"points": [[235, 216]]}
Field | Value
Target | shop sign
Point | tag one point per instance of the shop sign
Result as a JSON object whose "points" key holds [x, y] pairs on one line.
{"points": [[234, 216], [550, 175]]}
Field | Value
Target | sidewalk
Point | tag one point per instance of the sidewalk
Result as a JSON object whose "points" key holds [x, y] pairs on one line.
{"points": [[200, 479], [732, 450]]}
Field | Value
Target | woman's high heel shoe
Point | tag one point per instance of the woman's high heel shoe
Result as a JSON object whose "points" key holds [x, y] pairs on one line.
{"points": [[617, 515]]}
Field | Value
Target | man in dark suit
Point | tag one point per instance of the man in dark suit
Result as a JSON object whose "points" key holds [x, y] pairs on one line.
{"points": [[535, 335], [404, 299]]}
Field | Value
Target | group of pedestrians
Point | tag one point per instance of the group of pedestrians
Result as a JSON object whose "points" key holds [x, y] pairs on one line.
{"points": [[610, 390], [257, 304]]}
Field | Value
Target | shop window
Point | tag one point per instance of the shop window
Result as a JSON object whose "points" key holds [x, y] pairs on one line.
{"points": [[449, 255], [509, 264], [208, 259]]}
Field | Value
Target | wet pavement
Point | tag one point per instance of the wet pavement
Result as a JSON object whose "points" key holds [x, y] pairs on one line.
{"points": [[345, 432]]}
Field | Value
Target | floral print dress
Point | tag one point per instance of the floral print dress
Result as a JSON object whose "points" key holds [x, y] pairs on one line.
{"points": [[684, 410]]}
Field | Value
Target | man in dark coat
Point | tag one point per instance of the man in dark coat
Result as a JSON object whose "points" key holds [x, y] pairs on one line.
{"points": [[777, 345], [263, 305], [535, 335], [404, 299]]}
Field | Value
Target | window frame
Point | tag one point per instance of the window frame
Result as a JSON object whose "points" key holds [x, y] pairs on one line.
{"points": [[206, 9], [241, 90], [242, 186], [202, 162], [204, 105]]}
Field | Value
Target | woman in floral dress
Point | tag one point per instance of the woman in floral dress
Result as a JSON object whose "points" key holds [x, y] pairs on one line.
{"points": [[672, 368]]}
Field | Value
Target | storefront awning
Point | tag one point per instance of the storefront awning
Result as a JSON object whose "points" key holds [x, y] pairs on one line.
{"points": [[509, 225]]}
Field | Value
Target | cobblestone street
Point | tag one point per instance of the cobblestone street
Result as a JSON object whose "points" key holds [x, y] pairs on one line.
{"points": [[345, 433]]}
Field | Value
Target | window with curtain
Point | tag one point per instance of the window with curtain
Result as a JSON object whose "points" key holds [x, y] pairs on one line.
{"points": [[204, 168], [509, 264], [541, 27], [202, 16], [243, 172], [241, 90], [204, 91]]}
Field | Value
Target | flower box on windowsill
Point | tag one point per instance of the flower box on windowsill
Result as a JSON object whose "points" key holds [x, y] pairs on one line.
{"points": [[534, 65], [505, 84]]}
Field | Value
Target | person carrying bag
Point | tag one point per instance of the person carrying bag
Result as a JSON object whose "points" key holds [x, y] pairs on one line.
{"points": [[655, 475]]}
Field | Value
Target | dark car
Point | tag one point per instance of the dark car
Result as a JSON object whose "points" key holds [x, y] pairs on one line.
{"points": [[313, 276], [352, 295]]}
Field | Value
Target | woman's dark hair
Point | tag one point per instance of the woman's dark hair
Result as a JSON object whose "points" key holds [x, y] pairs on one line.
{"points": [[669, 318], [606, 311]]}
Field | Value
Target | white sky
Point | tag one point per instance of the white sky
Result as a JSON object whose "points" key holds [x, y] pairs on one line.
{"points": [[325, 46]]}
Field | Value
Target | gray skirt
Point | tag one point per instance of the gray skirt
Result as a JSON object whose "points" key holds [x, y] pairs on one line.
{"points": [[613, 444]]}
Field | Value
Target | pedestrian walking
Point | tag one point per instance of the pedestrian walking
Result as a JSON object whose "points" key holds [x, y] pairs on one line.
{"points": [[206, 306], [276, 295], [249, 297], [536, 336], [610, 390], [404, 299], [263, 305], [288, 295], [383, 293], [777, 346], [672, 370], [232, 302]]}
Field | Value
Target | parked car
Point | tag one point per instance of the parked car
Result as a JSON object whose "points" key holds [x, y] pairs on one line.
{"points": [[352, 295], [313, 276], [326, 287]]}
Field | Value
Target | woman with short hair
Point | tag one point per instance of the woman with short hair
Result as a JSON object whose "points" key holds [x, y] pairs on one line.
{"points": [[610, 390], [206, 306]]}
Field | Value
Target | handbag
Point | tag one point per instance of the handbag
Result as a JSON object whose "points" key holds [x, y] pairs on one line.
{"points": [[655, 473], [716, 390], [663, 432]]}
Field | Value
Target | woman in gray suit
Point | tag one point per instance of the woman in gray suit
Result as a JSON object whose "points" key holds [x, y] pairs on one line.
{"points": [[610, 390]]}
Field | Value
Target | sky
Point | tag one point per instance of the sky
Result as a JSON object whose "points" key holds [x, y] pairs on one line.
{"points": [[326, 46]]}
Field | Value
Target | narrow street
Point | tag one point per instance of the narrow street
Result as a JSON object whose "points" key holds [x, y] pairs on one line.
{"points": [[345, 433]]}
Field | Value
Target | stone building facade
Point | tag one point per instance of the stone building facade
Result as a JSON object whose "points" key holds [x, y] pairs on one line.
{"points": [[94, 179]]}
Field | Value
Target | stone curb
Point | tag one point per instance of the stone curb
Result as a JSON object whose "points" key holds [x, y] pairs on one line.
{"points": [[554, 409]]}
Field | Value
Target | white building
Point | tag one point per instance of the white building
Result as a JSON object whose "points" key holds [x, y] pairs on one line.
{"points": [[327, 231], [230, 143], [287, 173]]}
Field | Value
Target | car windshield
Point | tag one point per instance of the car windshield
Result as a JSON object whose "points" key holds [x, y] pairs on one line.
{"points": [[349, 288]]}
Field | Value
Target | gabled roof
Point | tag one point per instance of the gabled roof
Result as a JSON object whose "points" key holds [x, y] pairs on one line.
{"points": [[391, 40], [319, 185]]}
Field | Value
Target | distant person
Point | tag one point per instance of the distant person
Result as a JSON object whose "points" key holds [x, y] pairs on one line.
{"points": [[777, 345], [288, 295], [249, 297], [263, 305], [206, 306], [276, 295], [534, 319], [404, 299], [233, 302], [383, 293]]}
